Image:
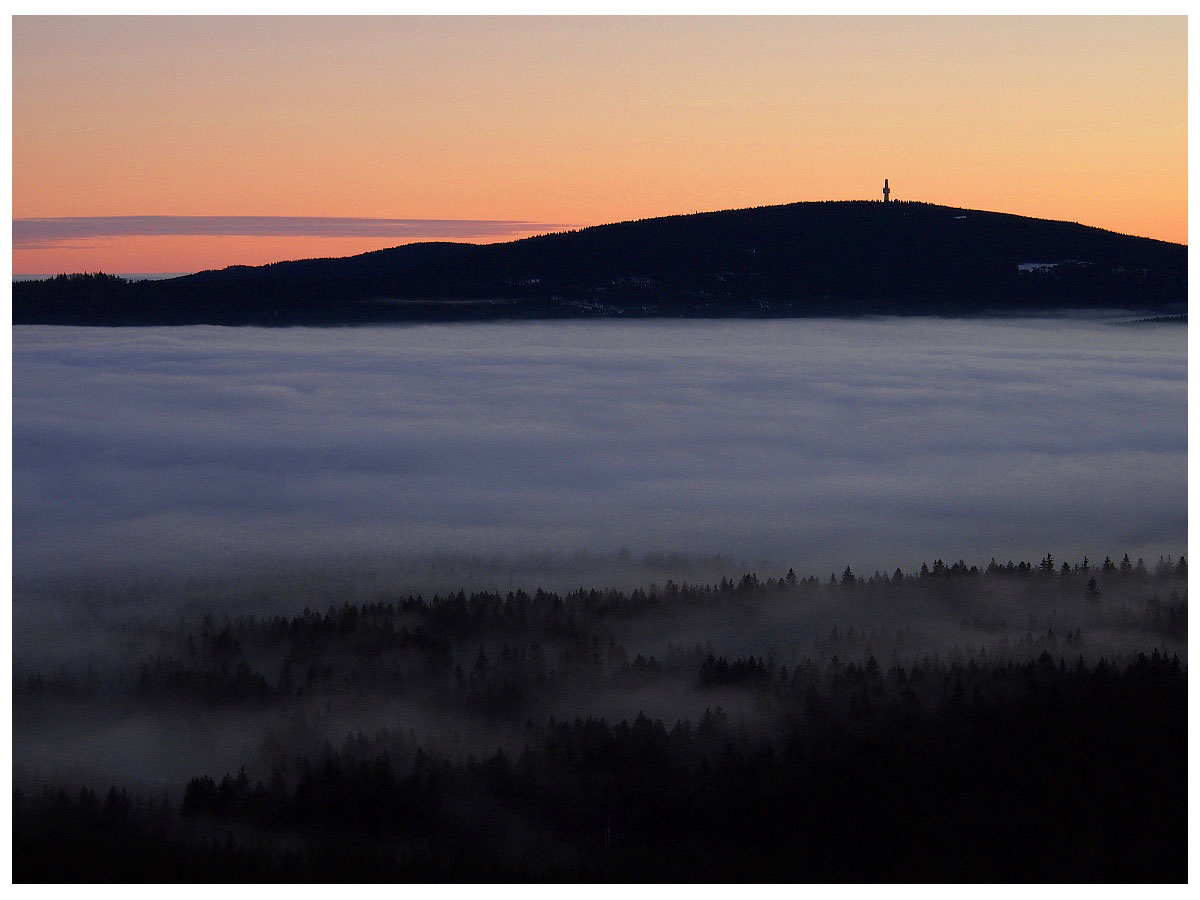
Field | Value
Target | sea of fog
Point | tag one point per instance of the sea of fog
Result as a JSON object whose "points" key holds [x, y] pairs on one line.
{"points": [[808, 443]]}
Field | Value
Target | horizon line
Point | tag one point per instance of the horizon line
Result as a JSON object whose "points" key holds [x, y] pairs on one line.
{"points": [[42, 233], [48, 232]]}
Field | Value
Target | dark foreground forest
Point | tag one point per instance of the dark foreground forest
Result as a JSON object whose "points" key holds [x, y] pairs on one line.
{"points": [[1008, 722]]}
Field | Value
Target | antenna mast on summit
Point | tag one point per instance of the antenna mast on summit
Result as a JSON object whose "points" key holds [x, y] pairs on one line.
{"points": [[886, 191]]}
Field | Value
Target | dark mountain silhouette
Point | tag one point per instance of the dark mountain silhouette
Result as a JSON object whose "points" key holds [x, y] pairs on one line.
{"points": [[831, 258]]}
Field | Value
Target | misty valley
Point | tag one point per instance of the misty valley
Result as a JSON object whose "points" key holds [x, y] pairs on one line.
{"points": [[1016, 723], [801, 600]]}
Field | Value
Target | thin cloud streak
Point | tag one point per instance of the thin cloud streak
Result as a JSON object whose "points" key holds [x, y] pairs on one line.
{"points": [[44, 233]]}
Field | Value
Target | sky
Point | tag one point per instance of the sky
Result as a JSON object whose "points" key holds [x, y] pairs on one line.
{"points": [[174, 144], [816, 444]]}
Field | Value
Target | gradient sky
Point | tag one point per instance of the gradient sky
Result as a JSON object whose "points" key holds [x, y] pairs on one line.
{"points": [[544, 123]]}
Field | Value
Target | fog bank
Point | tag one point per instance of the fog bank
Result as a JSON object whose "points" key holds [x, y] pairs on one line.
{"points": [[809, 443]]}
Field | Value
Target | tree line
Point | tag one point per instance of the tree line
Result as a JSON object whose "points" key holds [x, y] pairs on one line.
{"points": [[1016, 721]]}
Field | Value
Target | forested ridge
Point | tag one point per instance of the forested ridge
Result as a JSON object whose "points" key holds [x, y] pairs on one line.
{"points": [[1004, 722], [801, 259]]}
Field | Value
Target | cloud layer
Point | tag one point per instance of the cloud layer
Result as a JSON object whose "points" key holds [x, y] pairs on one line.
{"points": [[809, 443], [33, 234]]}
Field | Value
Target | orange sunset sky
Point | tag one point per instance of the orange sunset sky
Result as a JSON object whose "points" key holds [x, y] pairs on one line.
{"points": [[547, 123]]}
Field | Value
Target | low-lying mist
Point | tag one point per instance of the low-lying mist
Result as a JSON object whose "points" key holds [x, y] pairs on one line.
{"points": [[145, 681], [338, 601], [807, 443], [683, 729]]}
